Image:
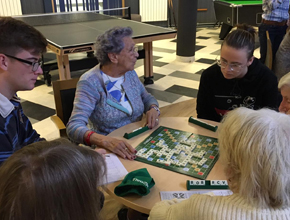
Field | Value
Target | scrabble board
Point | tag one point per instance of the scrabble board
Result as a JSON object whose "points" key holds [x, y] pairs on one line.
{"points": [[179, 151]]}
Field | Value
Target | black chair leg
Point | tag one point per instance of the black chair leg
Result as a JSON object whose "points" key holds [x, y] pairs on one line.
{"points": [[90, 54], [225, 30], [47, 78], [148, 80]]}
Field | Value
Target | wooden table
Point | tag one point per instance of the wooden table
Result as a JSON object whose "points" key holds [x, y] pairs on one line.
{"points": [[165, 180], [181, 109]]}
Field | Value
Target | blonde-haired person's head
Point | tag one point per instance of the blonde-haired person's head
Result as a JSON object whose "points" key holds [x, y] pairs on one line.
{"points": [[255, 149], [52, 180]]}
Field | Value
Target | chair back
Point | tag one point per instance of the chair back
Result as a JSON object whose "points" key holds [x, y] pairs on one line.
{"points": [[64, 94], [269, 55]]}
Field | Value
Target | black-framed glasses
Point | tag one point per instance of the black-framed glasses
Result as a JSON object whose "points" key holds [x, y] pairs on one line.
{"points": [[224, 64], [35, 65]]}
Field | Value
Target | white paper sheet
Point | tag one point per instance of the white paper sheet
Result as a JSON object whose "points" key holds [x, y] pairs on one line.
{"points": [[115, 169], [167, 195]]}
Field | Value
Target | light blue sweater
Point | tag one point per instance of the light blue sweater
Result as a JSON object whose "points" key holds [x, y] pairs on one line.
{"points": [[93, 102]]}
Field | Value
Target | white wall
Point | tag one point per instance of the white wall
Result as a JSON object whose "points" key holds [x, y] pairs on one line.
{"points": [[10, 7], [153, 10]]}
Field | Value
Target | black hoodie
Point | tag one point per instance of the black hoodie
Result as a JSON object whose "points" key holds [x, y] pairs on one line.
{"points": [[217, 95]]}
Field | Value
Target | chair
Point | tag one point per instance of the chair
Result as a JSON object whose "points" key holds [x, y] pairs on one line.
{"points": [[64, 94], [269, 55]]}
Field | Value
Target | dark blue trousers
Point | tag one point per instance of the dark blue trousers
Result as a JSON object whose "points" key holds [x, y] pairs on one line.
{"points": [[276, 34]]}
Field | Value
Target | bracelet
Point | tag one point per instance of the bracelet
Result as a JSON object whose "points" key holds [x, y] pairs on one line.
{"points": [[156, 108], [88, 138]]}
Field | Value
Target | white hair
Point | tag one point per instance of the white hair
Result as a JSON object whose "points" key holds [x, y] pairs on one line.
{"points": [[284, 81], [255, 149], [111, 42]]}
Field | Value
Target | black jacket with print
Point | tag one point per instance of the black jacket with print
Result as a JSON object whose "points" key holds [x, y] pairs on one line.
{"points": [[217, 95]]}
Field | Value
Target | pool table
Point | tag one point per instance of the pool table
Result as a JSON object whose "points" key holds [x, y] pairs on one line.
{"points": [[232, 12]]}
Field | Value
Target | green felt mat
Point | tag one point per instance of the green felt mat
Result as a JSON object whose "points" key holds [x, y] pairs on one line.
{"points": [[245, 2]]}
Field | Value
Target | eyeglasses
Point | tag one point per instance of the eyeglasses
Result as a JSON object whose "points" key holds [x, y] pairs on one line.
{"points": [[134, 49], [233, 67], [34, 65]]}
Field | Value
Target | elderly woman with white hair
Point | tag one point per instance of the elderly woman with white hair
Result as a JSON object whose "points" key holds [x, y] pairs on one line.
{"points": [[110, 95], [284, 86], [255, 152]]}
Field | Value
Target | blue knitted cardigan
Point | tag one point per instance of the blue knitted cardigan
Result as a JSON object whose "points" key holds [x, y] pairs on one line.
{"points": [[95, 106]]}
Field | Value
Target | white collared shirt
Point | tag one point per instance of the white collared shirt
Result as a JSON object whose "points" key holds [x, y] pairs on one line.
{"points": [[6, 107]]}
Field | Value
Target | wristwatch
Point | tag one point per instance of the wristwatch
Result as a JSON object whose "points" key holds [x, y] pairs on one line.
{"points": [[156, 108]]}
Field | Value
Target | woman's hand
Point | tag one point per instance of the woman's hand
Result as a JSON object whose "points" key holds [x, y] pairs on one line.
{"points": [[120, 147], [152, 118]]}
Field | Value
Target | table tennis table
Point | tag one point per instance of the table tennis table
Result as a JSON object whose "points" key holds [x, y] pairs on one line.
{"points": [[75, 32]]}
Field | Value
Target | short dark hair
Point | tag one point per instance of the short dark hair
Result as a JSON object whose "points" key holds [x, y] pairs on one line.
{"points": [[242, 37], [51, 180], [15, 35]]}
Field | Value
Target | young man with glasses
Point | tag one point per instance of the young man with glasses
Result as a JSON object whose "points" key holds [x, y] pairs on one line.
{"points": [[21, 47], [237, 79]]}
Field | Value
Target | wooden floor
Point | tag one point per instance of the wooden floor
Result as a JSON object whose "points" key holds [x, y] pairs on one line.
{"points": [[181, 109]]}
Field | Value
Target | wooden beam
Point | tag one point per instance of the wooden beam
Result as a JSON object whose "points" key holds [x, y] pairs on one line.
{"points": [[202, 9], [52, 4]]}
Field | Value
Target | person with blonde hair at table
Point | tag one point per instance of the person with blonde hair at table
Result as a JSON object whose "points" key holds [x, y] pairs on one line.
{"points": [[255, 152], [52, 180]]}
